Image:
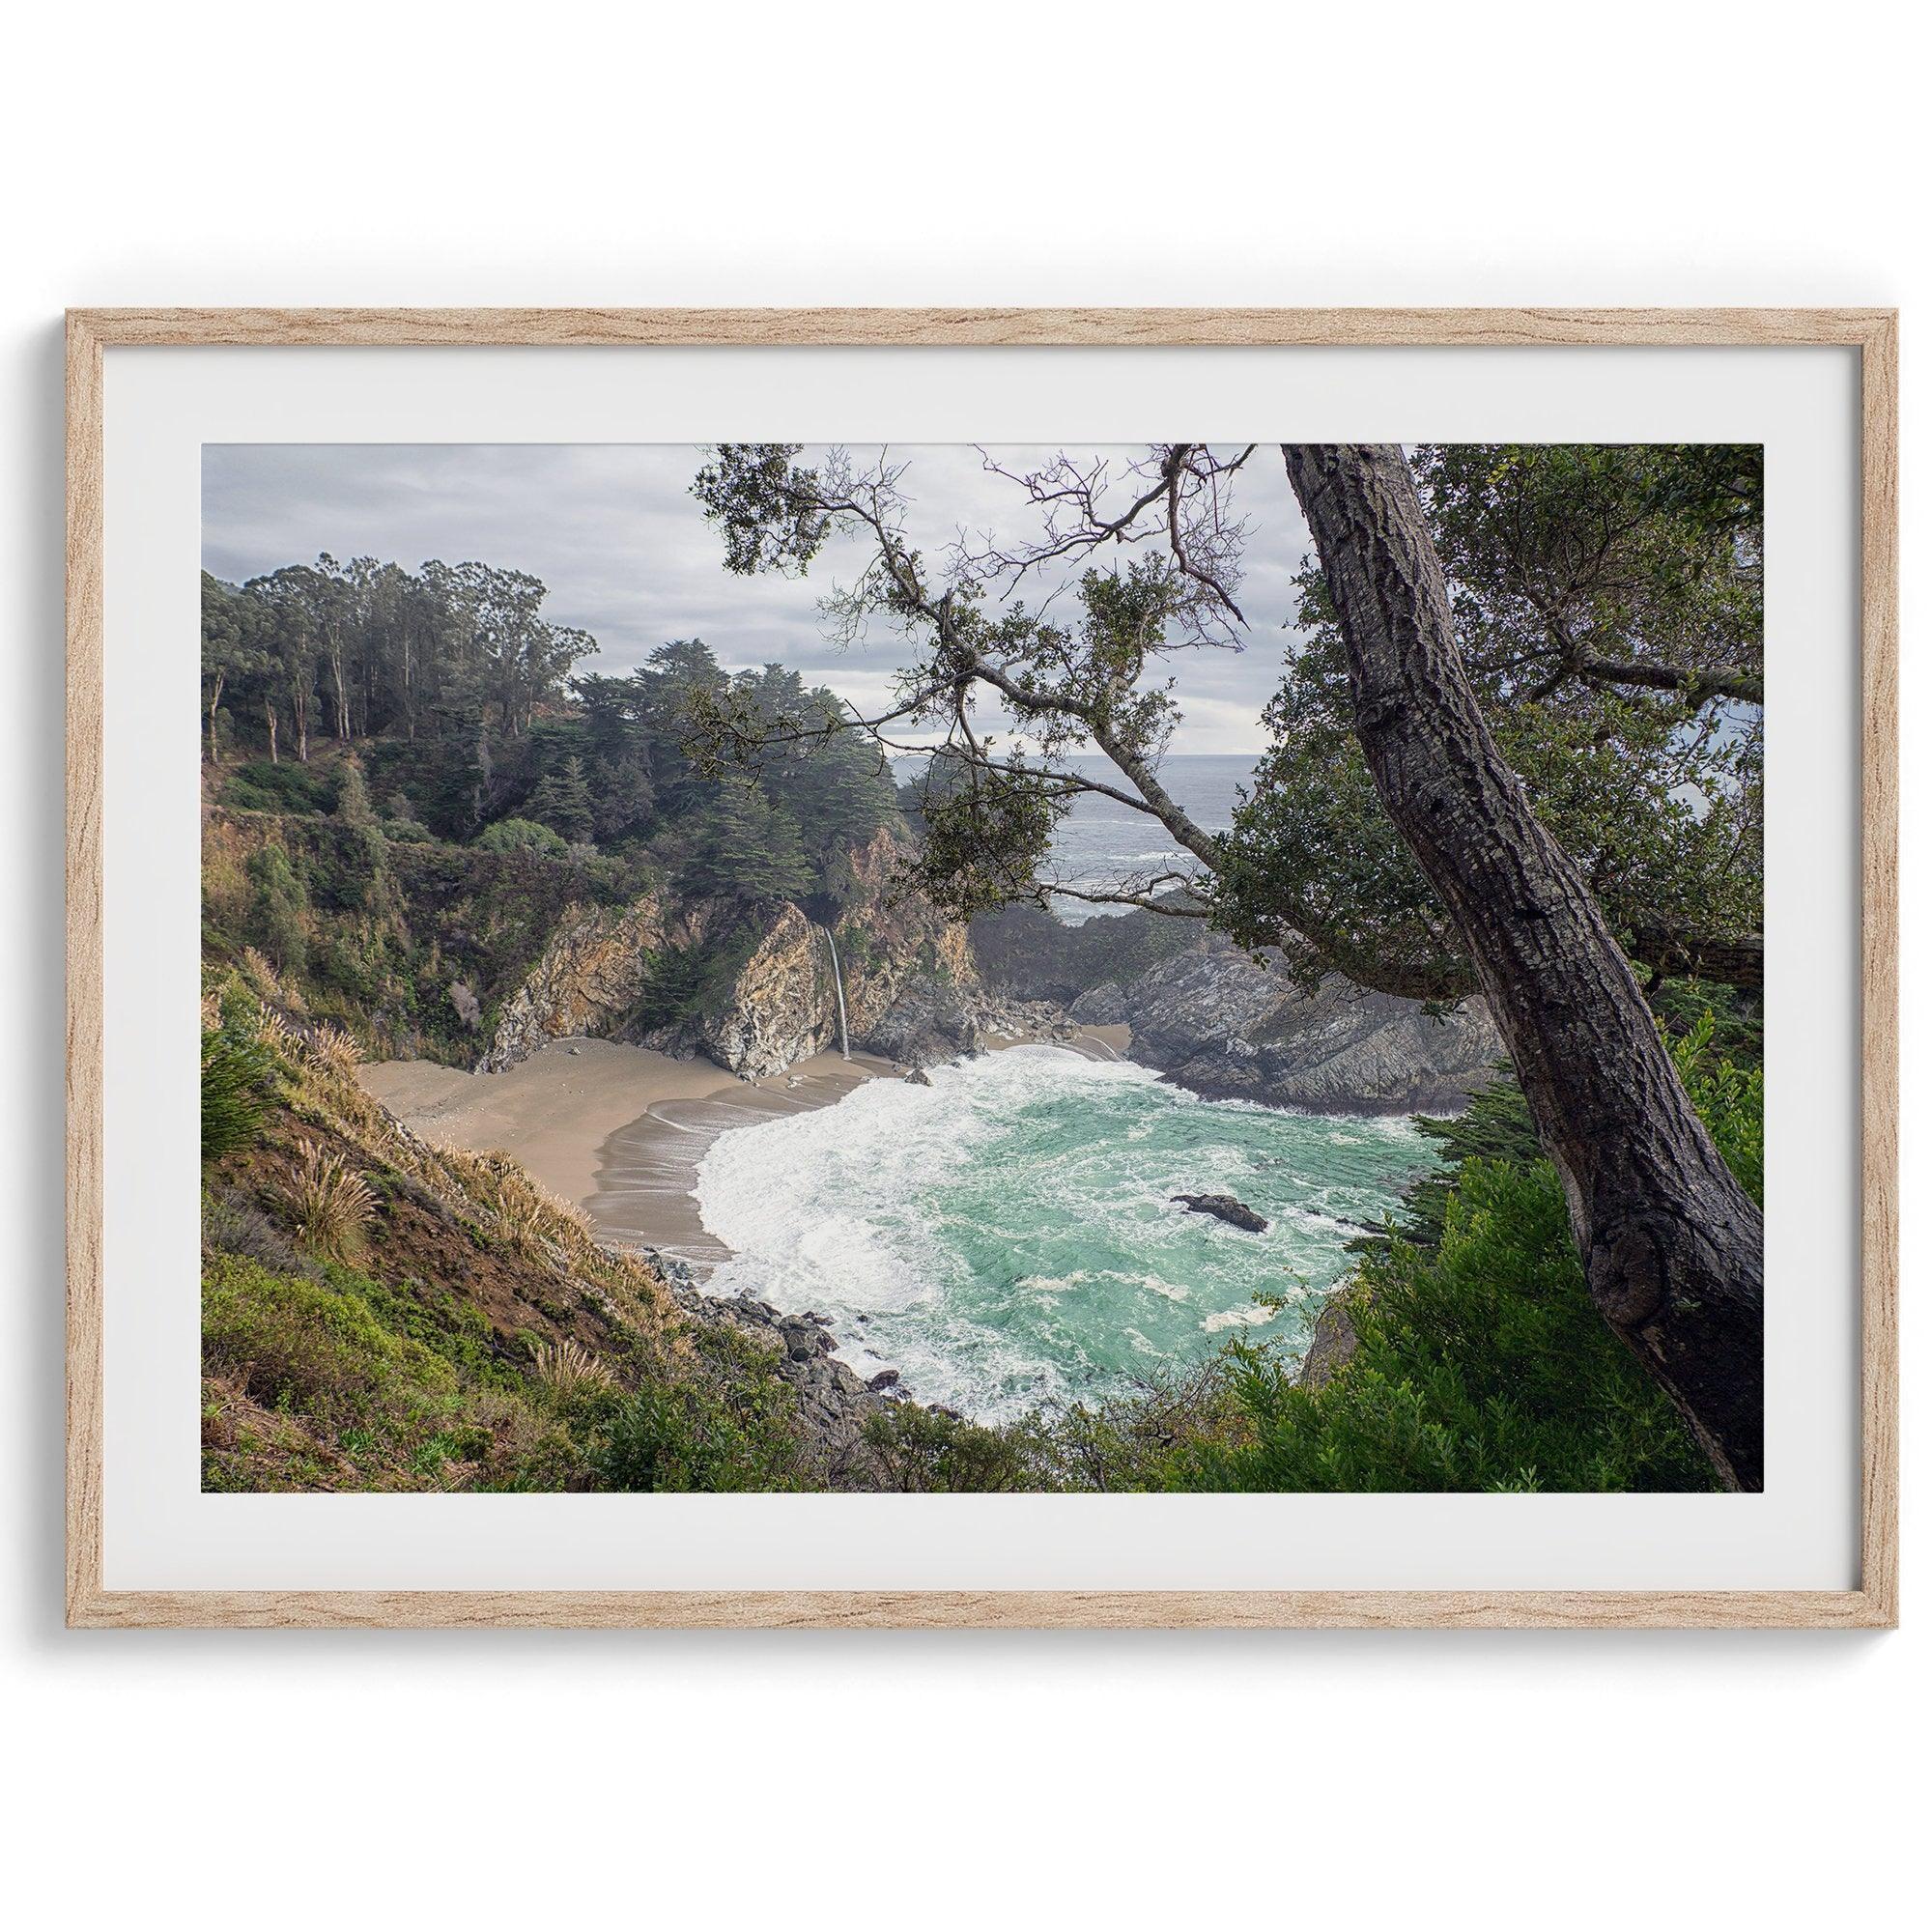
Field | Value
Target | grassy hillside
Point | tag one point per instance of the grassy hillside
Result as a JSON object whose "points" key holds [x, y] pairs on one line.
{"points": [[411, 947], [381, 1315]]}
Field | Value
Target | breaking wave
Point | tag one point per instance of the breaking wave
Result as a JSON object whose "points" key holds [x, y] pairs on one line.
{"points": [[1006, 1236]]}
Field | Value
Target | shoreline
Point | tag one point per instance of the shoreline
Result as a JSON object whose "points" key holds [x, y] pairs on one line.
{"points": [[620, 1130]]}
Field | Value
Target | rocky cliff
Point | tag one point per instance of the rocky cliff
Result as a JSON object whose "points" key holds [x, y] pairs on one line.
{"points": [[1228, 1027], [777, 1004], [937, 1020], [781, 1007], [590, 977], [833, 1402]]}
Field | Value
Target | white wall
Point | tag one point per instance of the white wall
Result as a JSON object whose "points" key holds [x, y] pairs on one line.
{"points": [[999, 153]]}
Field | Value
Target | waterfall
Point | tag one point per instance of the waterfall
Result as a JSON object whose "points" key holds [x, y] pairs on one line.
{"points": [[838, 984]]}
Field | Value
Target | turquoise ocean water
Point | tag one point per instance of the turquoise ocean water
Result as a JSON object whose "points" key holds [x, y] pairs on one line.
{"points": [[1005, 1236]]}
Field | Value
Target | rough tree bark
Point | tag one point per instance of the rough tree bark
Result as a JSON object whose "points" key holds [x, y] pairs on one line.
{"points": [[1672, 1247]]}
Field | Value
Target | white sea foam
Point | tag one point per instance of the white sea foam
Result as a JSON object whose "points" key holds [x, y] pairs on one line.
{"points": [[1006, 1231], [1236, 1317]]}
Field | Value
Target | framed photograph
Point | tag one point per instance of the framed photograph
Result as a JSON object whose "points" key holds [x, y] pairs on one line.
{"points": [[774, 968]]}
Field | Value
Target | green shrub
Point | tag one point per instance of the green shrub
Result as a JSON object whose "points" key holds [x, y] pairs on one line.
{"points": [[522, 834], [276, 915], [675, 1439], [262, 787], [723, 1424], [926, 1449], [1480, 1364], [234, 1089], [307, 1346]]}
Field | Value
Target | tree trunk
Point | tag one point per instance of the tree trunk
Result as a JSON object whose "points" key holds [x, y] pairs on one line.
{"points": [[269, 707], [343, 731], [1672, 1247], [215, 706]]}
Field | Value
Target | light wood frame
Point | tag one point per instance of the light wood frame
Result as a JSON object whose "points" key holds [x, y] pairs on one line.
{"points": [[1872, 333]]}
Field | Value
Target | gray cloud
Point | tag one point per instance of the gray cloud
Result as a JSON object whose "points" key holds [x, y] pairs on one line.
{"points": [[611, 528]]}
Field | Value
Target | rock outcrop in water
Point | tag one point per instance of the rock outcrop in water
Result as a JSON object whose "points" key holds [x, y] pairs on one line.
{"points": [[1230, 1029], [1225, 1208]]}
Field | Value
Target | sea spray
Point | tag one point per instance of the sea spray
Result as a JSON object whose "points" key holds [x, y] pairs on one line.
{"points": [[1005, 1235]]}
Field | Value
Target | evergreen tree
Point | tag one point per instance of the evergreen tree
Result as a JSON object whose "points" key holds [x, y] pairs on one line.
{"points": [[276, 915], [841, 792], [747, 848], [562, 802]]}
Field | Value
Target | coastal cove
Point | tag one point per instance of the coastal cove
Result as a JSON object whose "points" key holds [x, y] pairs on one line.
{"points": [[635, 1078], [1000, 1234]]}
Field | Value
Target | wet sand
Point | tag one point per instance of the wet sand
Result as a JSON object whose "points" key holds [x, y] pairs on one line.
{"points": [[621, 1130], [647, 1167]]}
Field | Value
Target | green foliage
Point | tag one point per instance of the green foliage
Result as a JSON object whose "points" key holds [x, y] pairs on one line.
{"points": [[520, 835], [306, 1345], [363, 648], [1728, 1096], [1481, 1362], [1731, 1021], [277, 910], [716, 1435], [746, 848], [765, 506], [561, 802], [1494, 1126], [234, 1075], [352, 797], [839, 792], [262, 787], [370, 918], [926, 1449], [370, 932], [1609, 608], [674, 989], [402, 1362], [987, 835]]}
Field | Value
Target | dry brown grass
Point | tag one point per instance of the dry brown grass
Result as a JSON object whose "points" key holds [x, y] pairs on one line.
{"points": [[335, 1052], [273, 1031], [267, 984], [551, 1231], [567, 1366], [331, 1204]]}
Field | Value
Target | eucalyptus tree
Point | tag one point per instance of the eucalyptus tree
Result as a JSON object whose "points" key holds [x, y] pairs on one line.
{"points": [[289, 600], [1611, 617], [228, 650]]}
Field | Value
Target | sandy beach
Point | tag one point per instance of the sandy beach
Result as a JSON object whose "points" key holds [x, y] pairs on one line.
{"points": [[620, 1130]]}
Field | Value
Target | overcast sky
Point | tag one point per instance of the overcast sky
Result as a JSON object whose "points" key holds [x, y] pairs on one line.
{"points": [[613, 531]]}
